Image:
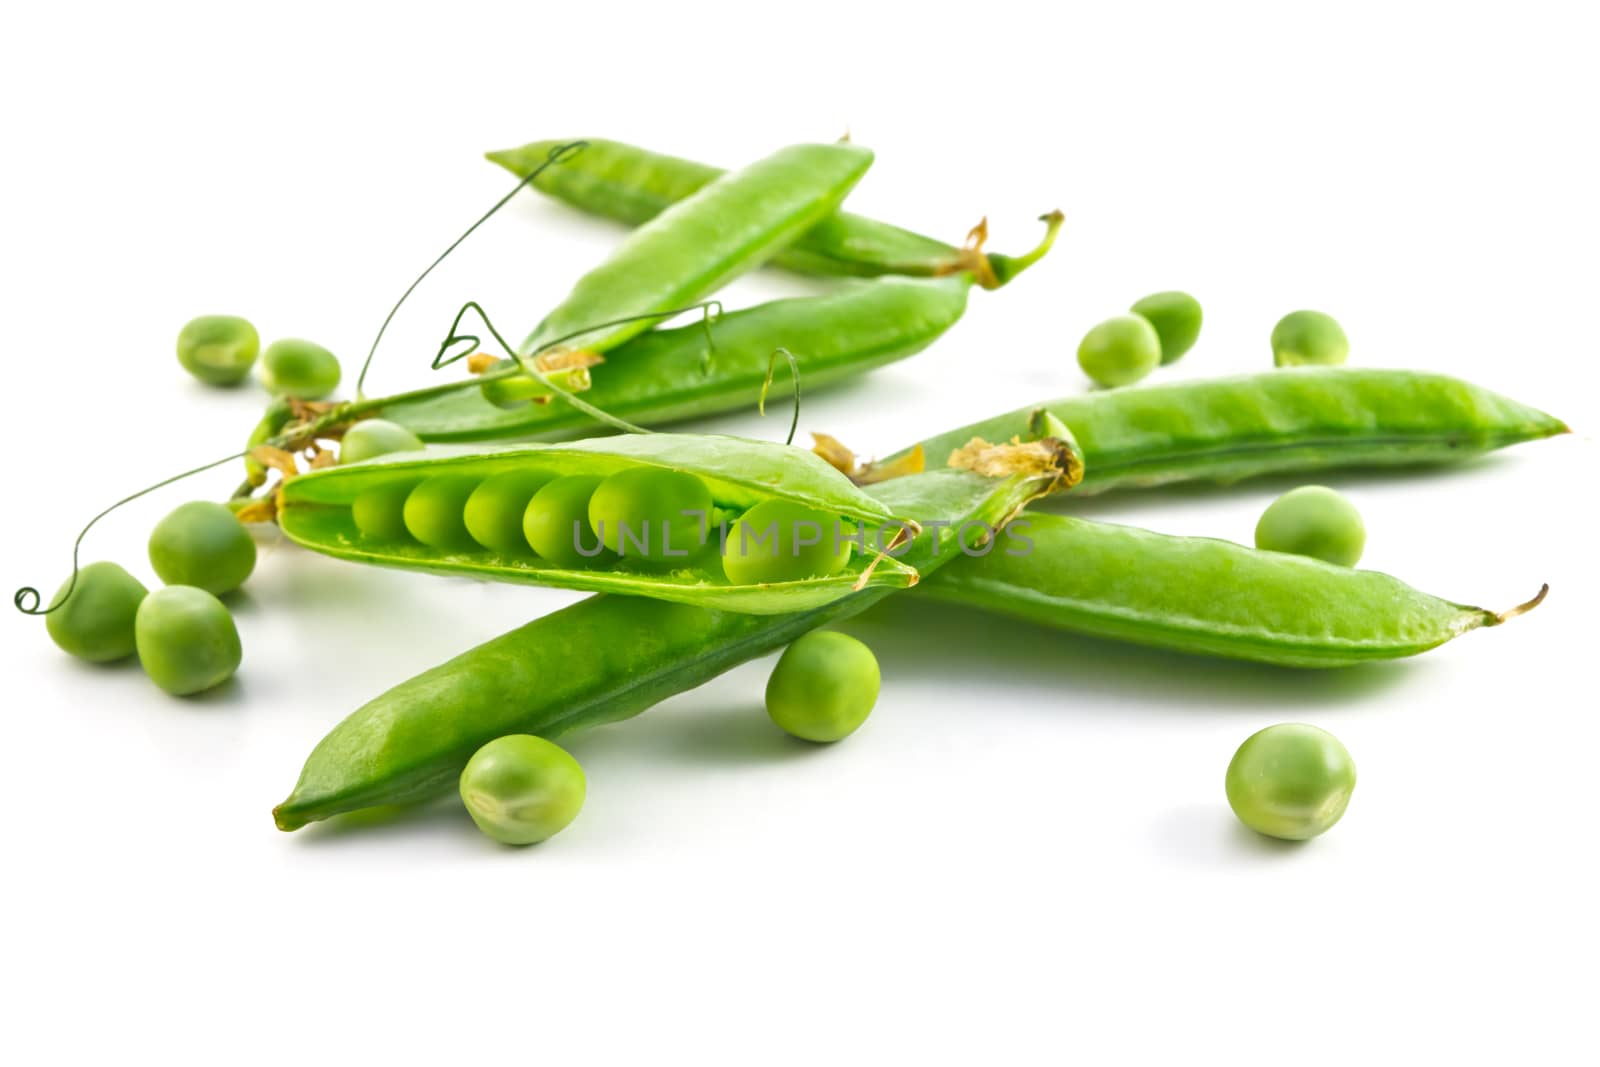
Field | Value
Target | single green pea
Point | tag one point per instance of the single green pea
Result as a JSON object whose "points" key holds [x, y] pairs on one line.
{"points": [[823, 687], [1176, 317], [1120, 351], [218, 349], [495, 510], [202, 544], [96, 621], [292, 367], [379, 513], [435, 511], [1309, 338], [1314, 521], [1291, 781], [556, 523], [186, 639], [376, 437], [782, 541], [522, 789], [651, 515]]}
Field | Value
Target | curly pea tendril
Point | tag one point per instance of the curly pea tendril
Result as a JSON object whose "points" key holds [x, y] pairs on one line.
{"points": [[28, 599]]}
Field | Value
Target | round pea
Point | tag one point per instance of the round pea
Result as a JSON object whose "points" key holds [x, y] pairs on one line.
{"points": [[435, 511], [1314, 521], [823, 687], [495, 510], [1176, 317], [1309, 338], [556, 523], [96, 621], [297, 368], [1120, 350], [522, 789], [202, 544], [376, 437], [379, 513], [651, 515], [781, 541], [1291, 781], [218, 349], [186, 639]]}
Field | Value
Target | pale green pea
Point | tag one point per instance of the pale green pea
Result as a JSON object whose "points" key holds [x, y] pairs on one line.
{"points": [[1176, 317], [495, 510], [96, 622], [1290, 781], [651, 515], [435, 511], [202, 544], [1314, 521], [379, 513], [556, 523], [1120, 351], [376, 437], [522, 789], [768, 544], [186, 640], [823, 687], [1309, 338], [218, 349], [293, 367]]}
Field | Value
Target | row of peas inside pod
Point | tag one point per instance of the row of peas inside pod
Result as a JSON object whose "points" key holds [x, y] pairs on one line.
{"points": [[1160, 328], [183, 633], [220, 350]]}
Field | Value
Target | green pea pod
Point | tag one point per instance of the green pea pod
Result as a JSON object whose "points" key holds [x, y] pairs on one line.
{"points": [[1201, 596], [697, 370], [632, 186], [322, 510], [1301, 419], [602, 660]]}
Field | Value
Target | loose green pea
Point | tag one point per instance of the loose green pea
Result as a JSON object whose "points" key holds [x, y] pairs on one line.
{"points": [[1176, 317], [823, 687], [218, 349], [202, 544], [1309, 338], [1120, 351], [96, 622], [379, 513], [651, 515], [1291, 781], [495, 510], [376, 437], [297, 368], [435, 511], [556, 523], [186, 639], [1314, 521], [522, 789], [782, 541]]}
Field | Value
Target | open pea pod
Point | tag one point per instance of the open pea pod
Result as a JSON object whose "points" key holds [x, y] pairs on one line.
{"points": [[735, 524]]}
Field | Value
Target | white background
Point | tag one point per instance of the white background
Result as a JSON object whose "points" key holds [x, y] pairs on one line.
{"points": [[1026, 853]]}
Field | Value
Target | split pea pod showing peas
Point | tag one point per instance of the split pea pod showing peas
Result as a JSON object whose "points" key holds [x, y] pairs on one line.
{"points": [[1203, 596], [658, 507], [668, 375], [632, 185], [603, 660], [1303, 419]]}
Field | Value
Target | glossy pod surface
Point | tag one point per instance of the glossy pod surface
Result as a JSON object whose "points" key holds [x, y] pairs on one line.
{"points": [[1199, 595], [666, 376], [602, 660], [348, 512], [699, 244], [1305, 419], [633, 185]]}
